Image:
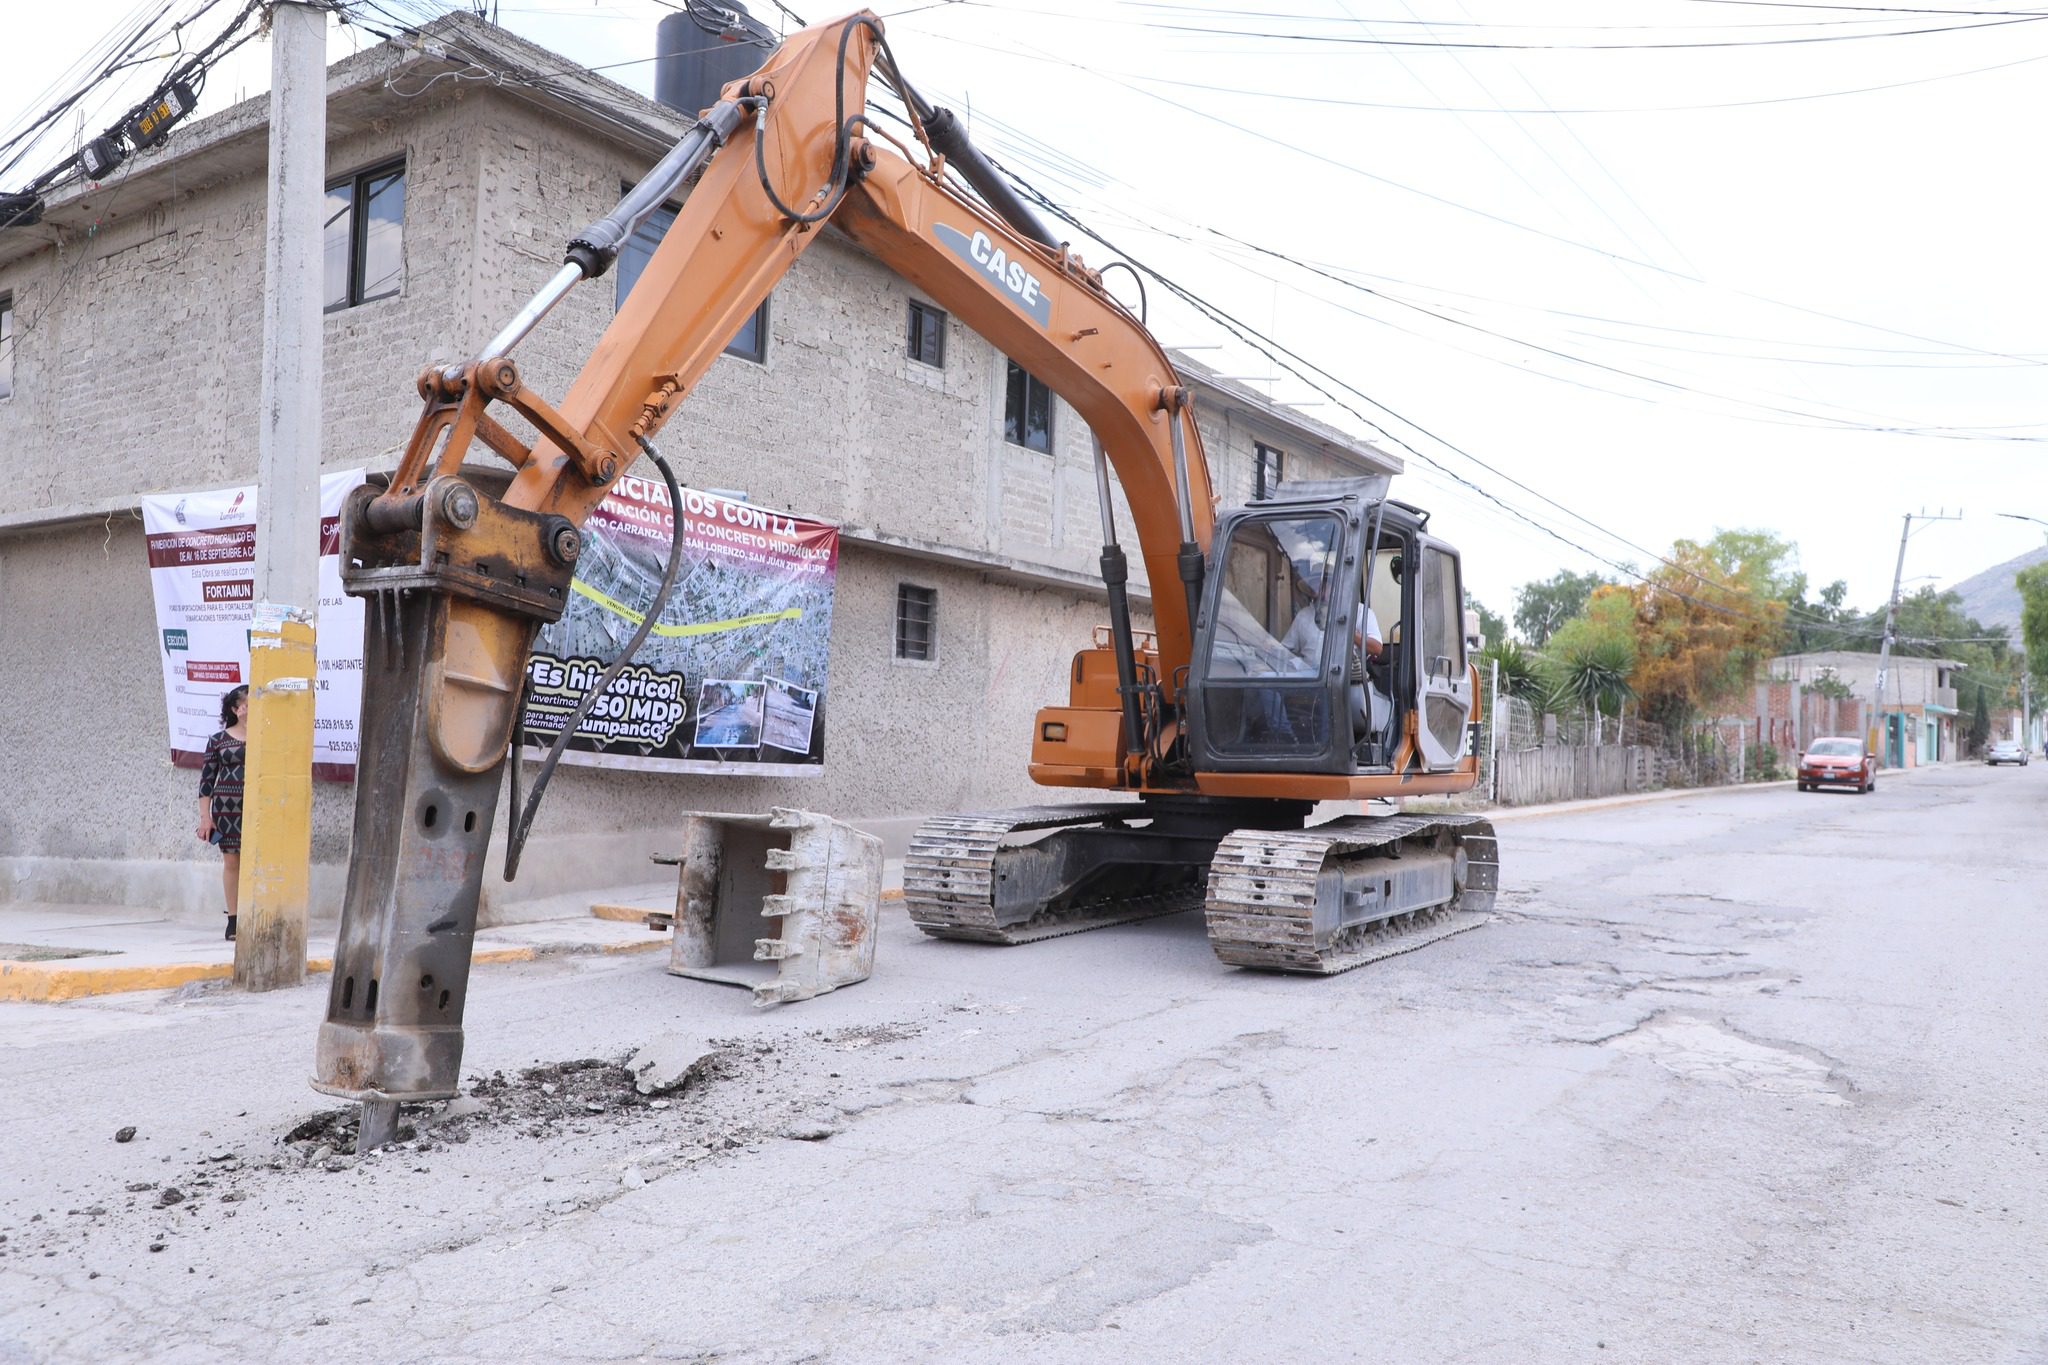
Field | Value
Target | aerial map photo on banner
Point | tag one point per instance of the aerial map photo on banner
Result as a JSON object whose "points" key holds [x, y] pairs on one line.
{"points": [[732, 676]]}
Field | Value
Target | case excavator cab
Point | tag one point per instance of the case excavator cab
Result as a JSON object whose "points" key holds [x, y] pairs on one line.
{"points": [[1280, 682]]}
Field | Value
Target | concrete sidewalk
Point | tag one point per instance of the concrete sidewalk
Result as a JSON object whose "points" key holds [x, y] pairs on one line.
{"points": [[64, 952]]}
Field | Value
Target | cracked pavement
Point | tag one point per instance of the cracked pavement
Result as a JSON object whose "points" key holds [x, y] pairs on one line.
{"points": [[1737, 1077]]}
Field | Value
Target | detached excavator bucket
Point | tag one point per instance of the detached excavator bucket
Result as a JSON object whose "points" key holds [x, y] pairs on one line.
{"points": [[784, 903]]}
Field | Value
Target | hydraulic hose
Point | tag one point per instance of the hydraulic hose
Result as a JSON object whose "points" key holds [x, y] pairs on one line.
{"points": [[522, 816]]}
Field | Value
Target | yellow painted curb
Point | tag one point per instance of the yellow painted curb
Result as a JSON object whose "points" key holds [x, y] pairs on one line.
{"points": [[50, 982], [638, 945], [623, 914]]}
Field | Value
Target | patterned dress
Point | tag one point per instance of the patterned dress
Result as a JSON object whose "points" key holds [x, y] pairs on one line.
{"points": [[221, 779]]}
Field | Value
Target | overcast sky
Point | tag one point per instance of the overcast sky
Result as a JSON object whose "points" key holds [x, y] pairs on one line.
{"points": [[1781, 270]]}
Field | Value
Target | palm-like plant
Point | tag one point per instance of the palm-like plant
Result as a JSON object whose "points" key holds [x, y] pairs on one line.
{"points": [[1589, 673], [1520, 675]]}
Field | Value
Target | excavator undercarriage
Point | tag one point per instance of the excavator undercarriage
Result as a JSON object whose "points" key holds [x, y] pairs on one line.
{"points": [[1276, 894]]}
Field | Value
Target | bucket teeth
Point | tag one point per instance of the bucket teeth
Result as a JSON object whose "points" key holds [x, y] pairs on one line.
{"points": [[812, 894]]}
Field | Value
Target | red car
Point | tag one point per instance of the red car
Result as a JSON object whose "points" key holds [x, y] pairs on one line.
{"points": [[1837, 763]]}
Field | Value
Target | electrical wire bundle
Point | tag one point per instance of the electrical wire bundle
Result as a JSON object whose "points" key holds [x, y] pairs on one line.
{"points": [[141, 127]]}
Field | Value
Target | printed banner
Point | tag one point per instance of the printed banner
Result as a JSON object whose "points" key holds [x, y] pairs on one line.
{"points": [[731, 679], [202, 569]]}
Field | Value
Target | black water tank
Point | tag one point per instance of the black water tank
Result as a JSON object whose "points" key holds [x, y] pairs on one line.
{"points": [[701, 47]]}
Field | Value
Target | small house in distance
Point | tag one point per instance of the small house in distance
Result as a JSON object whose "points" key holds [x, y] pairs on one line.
{"points": [[1829, 693]]}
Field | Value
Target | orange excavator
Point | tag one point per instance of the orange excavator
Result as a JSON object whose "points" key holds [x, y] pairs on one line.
{"points": [[1306, 648]]}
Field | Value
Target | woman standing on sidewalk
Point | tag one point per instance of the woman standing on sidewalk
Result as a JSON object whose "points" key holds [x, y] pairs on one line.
{"points": [[220, 792]]}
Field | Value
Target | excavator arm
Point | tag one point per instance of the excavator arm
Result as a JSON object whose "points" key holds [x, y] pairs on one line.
{"points": [[460, 568]]}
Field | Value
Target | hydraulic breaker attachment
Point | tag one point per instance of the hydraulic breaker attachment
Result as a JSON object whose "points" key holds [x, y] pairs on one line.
{"points": [[457, 583], [795, 891]]}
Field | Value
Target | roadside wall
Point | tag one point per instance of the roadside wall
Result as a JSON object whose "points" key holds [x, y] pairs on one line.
{"points": [[1529, 777]]}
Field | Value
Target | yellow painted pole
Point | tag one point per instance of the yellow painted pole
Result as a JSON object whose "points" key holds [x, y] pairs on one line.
{"points": [[277, 783], [277, 805]]}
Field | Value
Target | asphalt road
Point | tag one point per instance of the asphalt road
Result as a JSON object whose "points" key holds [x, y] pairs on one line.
{"points": [[1739, 1077]]}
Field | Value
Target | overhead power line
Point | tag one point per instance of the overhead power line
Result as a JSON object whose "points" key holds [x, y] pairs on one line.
{"points": [[1334, 102], [1442, 44], [1352, 169]]}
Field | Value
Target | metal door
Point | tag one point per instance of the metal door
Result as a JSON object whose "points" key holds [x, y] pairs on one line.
{"points": [[1443, 681]]}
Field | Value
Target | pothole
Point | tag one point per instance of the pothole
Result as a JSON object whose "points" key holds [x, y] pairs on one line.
{"points": [[1711, 1051], [1720, 983]]}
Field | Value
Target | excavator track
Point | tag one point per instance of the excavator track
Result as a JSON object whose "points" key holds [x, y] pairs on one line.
{"points": [[1339, 895], [951, 877]]}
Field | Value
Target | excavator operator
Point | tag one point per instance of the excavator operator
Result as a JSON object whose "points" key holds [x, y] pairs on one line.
{"points": [[1304, 640]]}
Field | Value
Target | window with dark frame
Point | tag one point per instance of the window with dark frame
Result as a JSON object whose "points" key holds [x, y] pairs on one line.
{"points": [[362, 242], [1027, 411], [917, 623], [1268, 467], [927, 335], [638, 249], [6, 345], [750, 342]]}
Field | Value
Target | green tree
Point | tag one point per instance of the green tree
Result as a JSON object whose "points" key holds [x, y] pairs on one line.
{"points": [[1587, 664], [1932, 625], [1823, 622], [1828, 685], [1980, 723], [1759, 562], [1705, 621], [1519, 676], [1591, 671], [1540, 608], [1492, 628], [2033, 586]]}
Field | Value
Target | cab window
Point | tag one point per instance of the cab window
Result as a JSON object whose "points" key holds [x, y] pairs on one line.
{"points": [[1270, 617], [1443, 615]]}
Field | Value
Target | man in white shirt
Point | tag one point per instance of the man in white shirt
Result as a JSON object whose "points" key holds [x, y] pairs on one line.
{"points": [[1304, 642]]}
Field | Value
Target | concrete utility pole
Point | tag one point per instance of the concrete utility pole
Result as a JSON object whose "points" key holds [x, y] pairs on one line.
{"points": [[1884, 648], [277, 814], [1891, 618]]}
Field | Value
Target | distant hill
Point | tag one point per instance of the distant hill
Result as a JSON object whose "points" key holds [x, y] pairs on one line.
{"points": [[1990, 596]]}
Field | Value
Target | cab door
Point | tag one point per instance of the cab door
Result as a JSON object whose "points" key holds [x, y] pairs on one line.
{"points": [[1444, 683]]}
